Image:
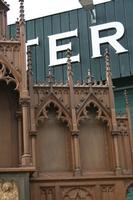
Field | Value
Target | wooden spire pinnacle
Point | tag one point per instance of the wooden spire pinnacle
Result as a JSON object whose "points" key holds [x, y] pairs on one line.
{"points": [[17, 30], [69, 67], [89, 77], [110, 85], [73, 114], [50, 78], [21, 10], [115, 131], [126, 97], [4, 5], [108, 69], [29, 58], [127, 105]]}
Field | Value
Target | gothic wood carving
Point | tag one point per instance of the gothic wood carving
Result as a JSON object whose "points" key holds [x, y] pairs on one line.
{"points": [[47, 193], [62, 113], [7, 76], [8, 190], [78, 193]]}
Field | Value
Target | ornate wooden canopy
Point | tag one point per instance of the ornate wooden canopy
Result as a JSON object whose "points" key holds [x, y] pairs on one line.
{"points": [[67, 136]]}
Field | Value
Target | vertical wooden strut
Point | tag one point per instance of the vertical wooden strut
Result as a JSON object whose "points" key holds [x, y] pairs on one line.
{"points": [[19, 118], [129, 122], [115, 131], [24, 96], [33, 130], [50, 79], [75, 132]]}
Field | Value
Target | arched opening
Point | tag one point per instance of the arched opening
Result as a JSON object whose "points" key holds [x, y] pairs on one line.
{"points": [[94, 142], [78, 194], [53, 144], [8, 125], [129, 195]]}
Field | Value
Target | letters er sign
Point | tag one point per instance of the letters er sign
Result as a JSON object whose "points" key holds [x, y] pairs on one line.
{"points": [[96, 42]]}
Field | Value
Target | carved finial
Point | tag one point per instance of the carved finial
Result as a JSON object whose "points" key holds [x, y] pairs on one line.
{"points": [[89, 77], [126, 97], [5, 4], [29, 58], [69, 67], [108, 69], [17, 29], [50, 77], [21, 10], [69, 53], [107, 59]]}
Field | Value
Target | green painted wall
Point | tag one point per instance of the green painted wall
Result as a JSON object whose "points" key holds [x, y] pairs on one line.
{"points": [[116, 10], [130, 194]]}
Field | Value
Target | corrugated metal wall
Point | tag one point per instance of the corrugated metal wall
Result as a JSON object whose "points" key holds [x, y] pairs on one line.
{"points": [[122, 64]]}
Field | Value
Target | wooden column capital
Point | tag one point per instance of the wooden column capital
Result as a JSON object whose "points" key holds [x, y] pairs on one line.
{"points": [[75, 133], [25, 102], [115, 132], [33, 133]]}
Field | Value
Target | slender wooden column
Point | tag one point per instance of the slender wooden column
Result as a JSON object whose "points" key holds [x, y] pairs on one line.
{"points": [[75, 138], [24, 93], [115, 132], [20, 140], [26, 158], [115, 138], [75, 135]]}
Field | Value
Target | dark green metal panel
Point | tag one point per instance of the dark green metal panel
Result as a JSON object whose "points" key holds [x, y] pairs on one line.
{"points": [[31, 34], [128, 5], [101, 18], [123, 58], [40, 51], [74, 21], [130, 194], [84, 44], [56, 28], [120, 102], [110, 13], [47, 24], [122, 64], [65, 26], [12, 31]]}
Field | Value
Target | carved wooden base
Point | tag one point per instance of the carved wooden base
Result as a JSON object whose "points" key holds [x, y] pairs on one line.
{"points": [[79, 189], [26, 160]]}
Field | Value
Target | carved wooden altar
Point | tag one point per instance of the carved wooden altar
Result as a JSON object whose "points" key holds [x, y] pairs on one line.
{"points": [[68, 137]]}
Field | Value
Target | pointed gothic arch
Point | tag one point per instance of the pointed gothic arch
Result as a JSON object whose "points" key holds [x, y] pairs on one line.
{"points": [[102, 113], [62, 113], [8, 73]]}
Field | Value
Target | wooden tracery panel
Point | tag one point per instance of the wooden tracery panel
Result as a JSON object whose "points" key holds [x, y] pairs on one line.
{"points": [[8, 127], [77, 193], [94, 143], [53, 144]]}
